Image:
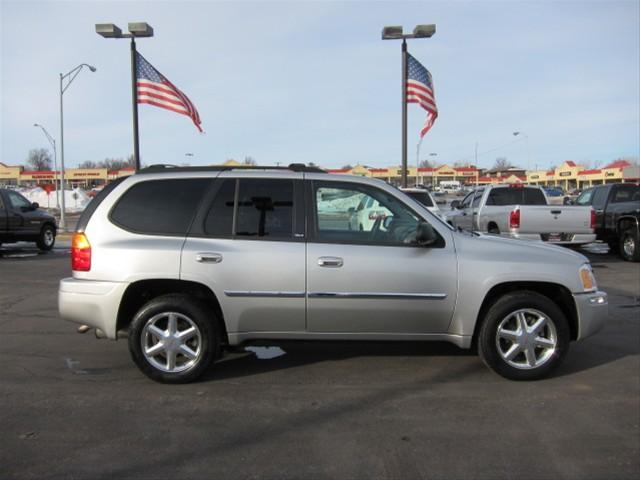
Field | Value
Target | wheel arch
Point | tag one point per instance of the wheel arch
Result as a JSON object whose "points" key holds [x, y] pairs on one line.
{"points": [[140, 292], [555, 292], [626, 222]]}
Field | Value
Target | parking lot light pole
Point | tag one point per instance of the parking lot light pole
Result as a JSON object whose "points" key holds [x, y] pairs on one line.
{"points": [[69, 77], [396, 33], [56, 178], [526, 138], [137, 29]]}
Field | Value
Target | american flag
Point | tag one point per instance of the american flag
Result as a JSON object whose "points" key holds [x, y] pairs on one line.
{"points": [[420, 90], [154, 89]]}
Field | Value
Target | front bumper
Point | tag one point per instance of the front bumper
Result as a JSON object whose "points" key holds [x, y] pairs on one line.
{"points": [[91, 303], [593, 310]]}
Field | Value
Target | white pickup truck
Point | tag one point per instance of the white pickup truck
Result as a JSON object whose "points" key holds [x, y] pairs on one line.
{"points": [[523, 212]]}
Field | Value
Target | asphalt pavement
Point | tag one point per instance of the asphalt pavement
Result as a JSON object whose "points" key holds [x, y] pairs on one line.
{"points": [[72, 406]]}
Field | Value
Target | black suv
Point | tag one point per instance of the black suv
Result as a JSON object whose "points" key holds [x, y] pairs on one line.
{"points": [[617, 207], [20, 220]]}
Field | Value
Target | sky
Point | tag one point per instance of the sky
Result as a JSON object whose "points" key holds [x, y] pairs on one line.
{"points": [[287, 82]]}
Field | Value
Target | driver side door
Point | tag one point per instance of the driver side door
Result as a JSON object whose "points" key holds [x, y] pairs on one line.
{"points": [[376, 281], [19, 215]]}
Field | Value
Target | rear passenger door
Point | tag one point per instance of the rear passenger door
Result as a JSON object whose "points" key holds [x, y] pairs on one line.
{"points": [[247, 244]]}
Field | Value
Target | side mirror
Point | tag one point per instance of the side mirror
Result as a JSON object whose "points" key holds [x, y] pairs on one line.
{"points": [[455, 204], [425, 234], [567, 201], [351, 209], [35, 206]]}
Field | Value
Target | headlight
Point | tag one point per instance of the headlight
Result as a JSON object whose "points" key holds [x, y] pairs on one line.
{"points": [[587, 279]]}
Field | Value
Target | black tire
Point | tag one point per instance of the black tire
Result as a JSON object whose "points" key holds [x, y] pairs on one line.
{"points": [[502, 310], [494, 229], [46, 238], [628, 247], [190, 308]]}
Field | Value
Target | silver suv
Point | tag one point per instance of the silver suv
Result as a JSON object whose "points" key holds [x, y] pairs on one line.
{"points": [[186, 262]]}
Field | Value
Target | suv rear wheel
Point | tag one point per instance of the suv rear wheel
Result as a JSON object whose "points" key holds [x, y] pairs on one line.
{"points": [[524, 336], [174, 339]]}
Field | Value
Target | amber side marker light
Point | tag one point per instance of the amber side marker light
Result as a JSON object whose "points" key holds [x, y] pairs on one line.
{"points": [[80, 253]]}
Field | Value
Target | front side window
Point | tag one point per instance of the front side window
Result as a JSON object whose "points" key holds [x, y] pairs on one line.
{"points": [[466, 202], [386, 220], [18, 201], [422, 197], [160, 207], [599, 198], [477, 197]]}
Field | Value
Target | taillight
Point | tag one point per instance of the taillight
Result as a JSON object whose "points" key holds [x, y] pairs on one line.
{"points": [[514, 218], [593, 218], [80, 253]]}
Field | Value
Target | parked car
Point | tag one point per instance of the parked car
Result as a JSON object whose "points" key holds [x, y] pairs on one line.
{"points": [[617, 208], [367, 213], [555, 195], [424, 197], [21, 220], [187, 262], [519, 211]]}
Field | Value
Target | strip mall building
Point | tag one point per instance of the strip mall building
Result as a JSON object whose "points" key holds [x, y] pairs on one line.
{"points": [[568, 175]]}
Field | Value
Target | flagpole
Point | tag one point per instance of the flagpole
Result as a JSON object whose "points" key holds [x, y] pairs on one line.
{"points": [[404, 114], [134, 104]]}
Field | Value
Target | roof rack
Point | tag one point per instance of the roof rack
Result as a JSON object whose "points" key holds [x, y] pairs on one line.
{"points": [[165, 167]]}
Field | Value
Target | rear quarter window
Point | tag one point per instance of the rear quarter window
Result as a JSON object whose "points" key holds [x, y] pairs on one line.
{"points": [[160, 207]]}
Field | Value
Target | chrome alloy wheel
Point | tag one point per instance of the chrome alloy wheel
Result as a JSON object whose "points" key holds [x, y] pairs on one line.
{"points": [[171, 342], [526, 339], [48, 237], [629, 245]]}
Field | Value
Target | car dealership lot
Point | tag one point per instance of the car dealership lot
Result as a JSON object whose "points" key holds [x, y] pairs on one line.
{"points": [[74, 406]]}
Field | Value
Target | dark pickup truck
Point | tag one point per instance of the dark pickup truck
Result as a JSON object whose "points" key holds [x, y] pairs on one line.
{"points": [[20, 220], [617, 207]]}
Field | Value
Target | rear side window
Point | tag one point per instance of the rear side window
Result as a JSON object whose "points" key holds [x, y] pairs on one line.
{"points": [[160, 207], [262, 208], [516, 196], [626, 193], [265, 208]]}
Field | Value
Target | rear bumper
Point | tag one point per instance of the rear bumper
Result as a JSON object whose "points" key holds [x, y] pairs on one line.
{"points": [[593, 310], [572, 239], [91, 303]]}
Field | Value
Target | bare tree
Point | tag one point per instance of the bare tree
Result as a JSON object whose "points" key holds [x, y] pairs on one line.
{"points": [[502, 163], [117, 163], [347, 167], [39, 159], [425, 164], [249, 161], [88, 164]]}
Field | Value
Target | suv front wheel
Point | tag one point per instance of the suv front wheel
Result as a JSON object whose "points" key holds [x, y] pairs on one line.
{"points": [[174, 339], [524, 336]]}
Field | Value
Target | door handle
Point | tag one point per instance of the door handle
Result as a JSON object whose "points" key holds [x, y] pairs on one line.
{"points": [[208, 257], [334, 262]]}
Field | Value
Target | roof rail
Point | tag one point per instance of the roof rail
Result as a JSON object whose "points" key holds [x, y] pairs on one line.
{"points": [[165, 167]]}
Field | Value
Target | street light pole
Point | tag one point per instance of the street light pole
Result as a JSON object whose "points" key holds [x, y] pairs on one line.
{"points": [[140, 29], [52, 141], [396, 33], [70, 77]]}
